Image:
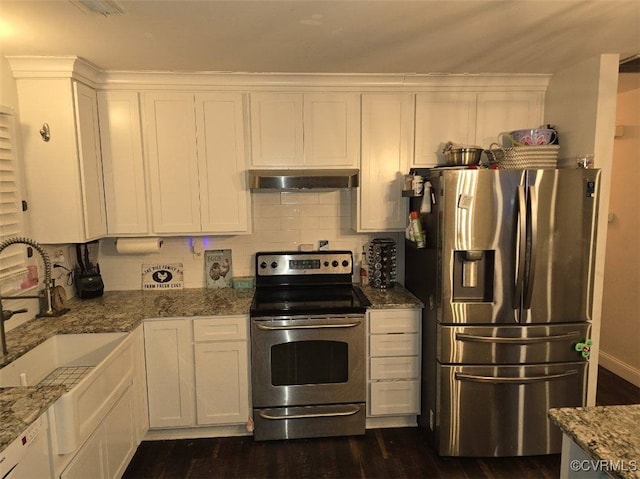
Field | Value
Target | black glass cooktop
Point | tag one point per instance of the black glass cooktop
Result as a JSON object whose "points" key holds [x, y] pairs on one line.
{"points": [[306, 300]]}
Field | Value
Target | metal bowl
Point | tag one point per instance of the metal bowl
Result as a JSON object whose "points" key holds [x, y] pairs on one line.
{"points": [[455, 156]]}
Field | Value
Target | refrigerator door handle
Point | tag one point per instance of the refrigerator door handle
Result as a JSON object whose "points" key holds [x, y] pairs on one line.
{"points": [[532, 213], [522, 247], [537, 339], [510, 380]]}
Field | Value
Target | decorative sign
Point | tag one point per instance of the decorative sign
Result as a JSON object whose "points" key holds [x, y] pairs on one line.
{"points": [[162, 276], [217, 268]]}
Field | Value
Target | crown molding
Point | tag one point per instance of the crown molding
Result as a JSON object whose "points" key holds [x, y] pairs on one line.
{"points": [[68, 66], [82, 70]]}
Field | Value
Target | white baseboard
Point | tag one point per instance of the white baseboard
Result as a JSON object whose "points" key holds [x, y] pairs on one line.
{"points": [[622, 369]]}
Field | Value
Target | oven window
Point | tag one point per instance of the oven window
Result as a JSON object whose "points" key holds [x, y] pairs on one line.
{"points": [[309, 362]]}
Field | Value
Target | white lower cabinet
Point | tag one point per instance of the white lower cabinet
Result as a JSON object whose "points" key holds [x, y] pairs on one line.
{"points": [[107, 452], [221, 368], [170, 385], [394, 362], [197, 371]]}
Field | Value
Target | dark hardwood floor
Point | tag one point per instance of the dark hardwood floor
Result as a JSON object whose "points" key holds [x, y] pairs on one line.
{"points": [[380, 453]]}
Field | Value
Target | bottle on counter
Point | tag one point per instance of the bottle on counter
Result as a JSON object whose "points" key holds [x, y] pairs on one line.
{"points": [[364, 275], [416, 228]]}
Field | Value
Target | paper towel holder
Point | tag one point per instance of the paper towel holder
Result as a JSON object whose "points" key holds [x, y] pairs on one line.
{"points": [[143, 245]]}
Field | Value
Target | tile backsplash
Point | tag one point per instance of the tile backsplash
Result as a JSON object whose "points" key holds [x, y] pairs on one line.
{"points": [[281, 221]]}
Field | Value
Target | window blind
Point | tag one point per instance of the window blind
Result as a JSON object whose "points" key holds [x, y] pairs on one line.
{"points": [[12, 259]]}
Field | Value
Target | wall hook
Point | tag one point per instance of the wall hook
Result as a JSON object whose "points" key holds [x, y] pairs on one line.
{"points": [[45, 132]]}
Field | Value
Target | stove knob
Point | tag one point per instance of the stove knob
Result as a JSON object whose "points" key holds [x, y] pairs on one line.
{"points": [[334, 263], [326, 264], [345, 263], [274, 264], [263, 265]]}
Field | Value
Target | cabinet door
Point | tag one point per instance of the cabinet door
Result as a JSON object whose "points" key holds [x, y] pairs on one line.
{"points": [[170, 384], [394, 397], [224, 196], [95, 218], [55, 170], [332, 129], [276, 129], [91, 459], [387, 141], [123, 167], [173, 162], [120, 435], [442, 117], [222, 382], [506, 111]]}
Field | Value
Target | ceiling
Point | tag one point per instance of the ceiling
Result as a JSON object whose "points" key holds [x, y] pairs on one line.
{"points": [[340, 36]]}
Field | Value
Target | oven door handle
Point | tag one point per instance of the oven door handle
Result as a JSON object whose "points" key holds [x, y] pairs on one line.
{"points": [[351, 324], [347, 411]]}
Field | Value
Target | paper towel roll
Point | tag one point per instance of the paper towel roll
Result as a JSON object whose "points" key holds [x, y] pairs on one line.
{"points": [[138, 245]]}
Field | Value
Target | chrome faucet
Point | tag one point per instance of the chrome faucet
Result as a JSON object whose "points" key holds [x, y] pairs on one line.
{"points": [[45, 296]]}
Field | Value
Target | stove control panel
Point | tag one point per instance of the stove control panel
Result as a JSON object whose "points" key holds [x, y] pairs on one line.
{"points": [[298, 263]]}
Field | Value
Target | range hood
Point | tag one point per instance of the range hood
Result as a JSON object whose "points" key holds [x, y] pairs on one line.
{"points": [[299, 179]]}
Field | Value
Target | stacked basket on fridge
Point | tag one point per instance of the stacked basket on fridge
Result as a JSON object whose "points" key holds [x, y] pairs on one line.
{"points": [[533, 148]]}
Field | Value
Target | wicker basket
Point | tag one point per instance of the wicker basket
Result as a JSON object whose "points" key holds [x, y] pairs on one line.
{"points": [[519, 157]]}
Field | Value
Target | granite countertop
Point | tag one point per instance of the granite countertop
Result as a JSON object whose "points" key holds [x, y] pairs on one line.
{"points": [[392, 298], [123, 311], [606, 433], [20, 407]]}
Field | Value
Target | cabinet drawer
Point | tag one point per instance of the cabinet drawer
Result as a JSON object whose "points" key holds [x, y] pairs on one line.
{"points": [[220, 328], [395, 397], [403, 367], [394, 345], [394, 321]]}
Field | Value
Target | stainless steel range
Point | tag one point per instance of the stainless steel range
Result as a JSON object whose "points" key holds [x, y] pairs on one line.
{"points": [[307, 346]]}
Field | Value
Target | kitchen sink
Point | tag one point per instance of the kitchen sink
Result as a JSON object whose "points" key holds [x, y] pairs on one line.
{"points": [[96, 369]]}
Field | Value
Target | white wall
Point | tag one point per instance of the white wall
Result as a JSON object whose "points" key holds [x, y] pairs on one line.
{"points": [[581, 101], [281, 221], [620, 334]]}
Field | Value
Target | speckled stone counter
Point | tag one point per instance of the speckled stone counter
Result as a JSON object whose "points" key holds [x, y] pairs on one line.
{"points": [[606, 433], [116, 311], [19, 407], [393, 298], [123, 311]]}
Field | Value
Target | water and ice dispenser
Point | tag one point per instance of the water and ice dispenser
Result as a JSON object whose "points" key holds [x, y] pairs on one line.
{"points": [[473, 275]]}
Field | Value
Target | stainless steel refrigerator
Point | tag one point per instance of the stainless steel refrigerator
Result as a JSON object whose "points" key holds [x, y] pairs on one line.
{"points": [[507, 280]]}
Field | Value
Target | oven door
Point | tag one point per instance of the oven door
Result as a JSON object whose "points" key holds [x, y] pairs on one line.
{"points": [[316, 360]]}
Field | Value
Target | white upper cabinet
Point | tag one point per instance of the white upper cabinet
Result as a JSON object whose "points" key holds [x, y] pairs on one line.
{"points": [[331, 129], [505, 111], [63, 175], [442, 117], [196, 162], [387, 147], [276, 129], [173, 161], [123, 163], [470, 118], [314, 130], [224, 197]]}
